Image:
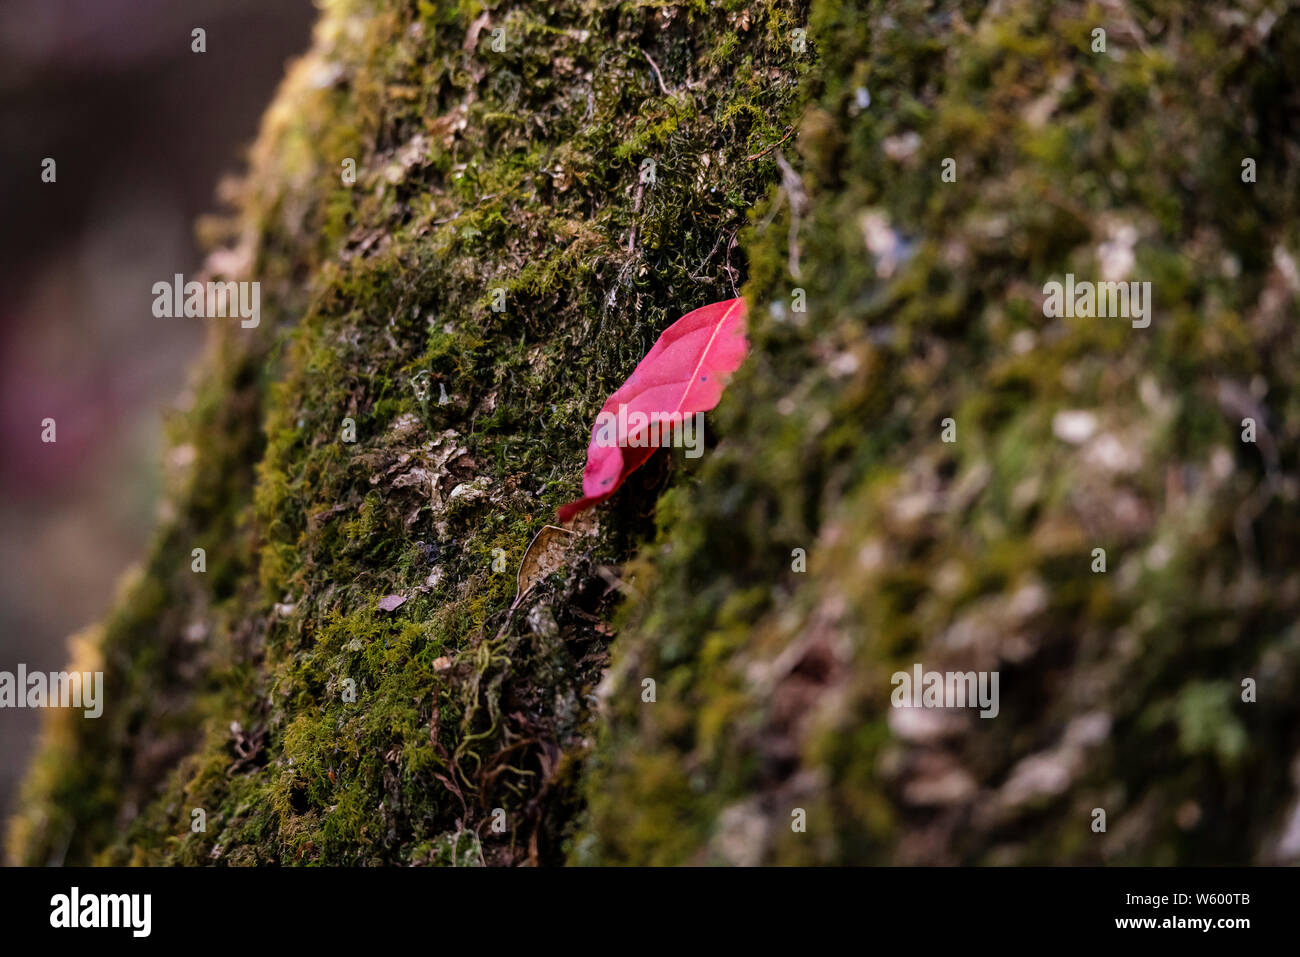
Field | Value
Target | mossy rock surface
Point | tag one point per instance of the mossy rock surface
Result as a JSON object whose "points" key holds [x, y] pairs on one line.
{"points": [[500, 264]]}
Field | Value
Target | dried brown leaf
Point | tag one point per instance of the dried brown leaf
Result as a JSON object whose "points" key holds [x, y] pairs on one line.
{"points": [[391, 602], [545, 555]]}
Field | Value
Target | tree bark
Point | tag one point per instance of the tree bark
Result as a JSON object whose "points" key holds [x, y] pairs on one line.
{"points": [[917, 465]]}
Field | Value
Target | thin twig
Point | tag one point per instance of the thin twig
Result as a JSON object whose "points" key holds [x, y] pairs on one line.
{"points": [[767, 149], [636, 208], [658, 76], [798, 199], [731, 271], [705, 261]]}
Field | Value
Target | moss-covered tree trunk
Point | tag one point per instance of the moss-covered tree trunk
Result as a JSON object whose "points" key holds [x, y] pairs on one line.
{"points": [[539, 189]]}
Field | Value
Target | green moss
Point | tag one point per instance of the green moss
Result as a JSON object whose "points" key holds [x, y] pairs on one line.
{"points": [[774, 685], [315, 727], [519, 170]]}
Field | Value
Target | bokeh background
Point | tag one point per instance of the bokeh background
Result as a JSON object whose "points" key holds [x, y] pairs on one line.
{"points": [[142, 129]]}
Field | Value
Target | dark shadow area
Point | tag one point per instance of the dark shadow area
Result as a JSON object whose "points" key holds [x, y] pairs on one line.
{"points": [[141, 128]]}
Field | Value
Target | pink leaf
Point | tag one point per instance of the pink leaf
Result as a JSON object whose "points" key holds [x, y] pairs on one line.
{"points": [[682, 374]]}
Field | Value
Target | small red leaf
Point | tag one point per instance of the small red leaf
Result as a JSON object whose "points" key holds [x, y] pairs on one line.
{"points": [[682, 374]]}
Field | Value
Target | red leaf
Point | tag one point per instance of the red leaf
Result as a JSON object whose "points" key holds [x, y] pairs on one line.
{"points": [[682, 374]]}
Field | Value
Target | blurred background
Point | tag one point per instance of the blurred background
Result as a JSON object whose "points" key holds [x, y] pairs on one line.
{"points": [[142, 129]]}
